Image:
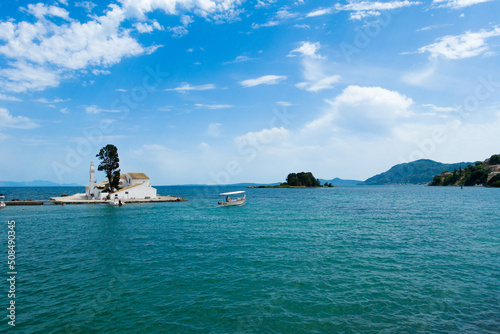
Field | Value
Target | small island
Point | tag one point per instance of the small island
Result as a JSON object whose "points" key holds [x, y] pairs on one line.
{"points": [[486, 173], [299, 180]]}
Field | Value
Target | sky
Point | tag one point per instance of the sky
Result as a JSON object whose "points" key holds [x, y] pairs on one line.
{"points": [[229, 91]]}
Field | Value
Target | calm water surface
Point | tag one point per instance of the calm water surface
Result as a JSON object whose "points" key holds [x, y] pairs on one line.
{"points": [[352, 260]]}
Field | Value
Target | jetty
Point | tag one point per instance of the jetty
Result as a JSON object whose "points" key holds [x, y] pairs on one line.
{"points": [[82, 199]]}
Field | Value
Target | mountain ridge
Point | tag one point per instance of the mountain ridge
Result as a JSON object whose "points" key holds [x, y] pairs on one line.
{"points": [[416, 172]]}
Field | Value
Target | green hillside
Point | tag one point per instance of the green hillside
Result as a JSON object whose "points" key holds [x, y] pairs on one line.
{"points": [[486, 173], [415, 172]]}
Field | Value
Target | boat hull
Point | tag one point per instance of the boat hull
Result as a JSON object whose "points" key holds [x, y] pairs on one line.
{"points": [[232, 203]]}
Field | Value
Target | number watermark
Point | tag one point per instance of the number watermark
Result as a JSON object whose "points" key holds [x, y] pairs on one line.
{"points": [[12, 271]]}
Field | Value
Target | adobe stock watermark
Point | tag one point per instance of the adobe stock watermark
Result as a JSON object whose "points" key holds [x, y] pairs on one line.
{"points": [[485, 88], [366, 34], [94, 138], [249, 149]]}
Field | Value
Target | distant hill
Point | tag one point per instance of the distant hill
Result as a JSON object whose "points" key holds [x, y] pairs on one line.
{"points": [[416, 172], [485, 173], [336, 182], [36, 183]]}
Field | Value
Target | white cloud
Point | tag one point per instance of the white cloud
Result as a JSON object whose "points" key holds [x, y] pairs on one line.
{"points": [[374, 5], [264, 3], [267, 24], [316, 75], [178, 31], [121, 90], [320, 12], [307, 49], [55, 100], [217, 10], [264, 136], [15, 122], [22, 77], [166, 108], [263, 80], [144, 27], [213, 106], [185, 87], [284, 103], [64, 111], [282, 15], [214, 129], [97, 72], [88, 5], [40, 11], [321, 84], [368, 110], [93, 109], [458, 4], [467, 45], [8, 98], [203, 146], [239, 59], [302, 26], [439, 109], [42, 53], [285, 14], [181, 30], [362, 9], [432, 27]]}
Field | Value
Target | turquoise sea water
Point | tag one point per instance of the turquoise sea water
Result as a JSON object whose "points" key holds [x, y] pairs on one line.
{"points": [[402, 259]]}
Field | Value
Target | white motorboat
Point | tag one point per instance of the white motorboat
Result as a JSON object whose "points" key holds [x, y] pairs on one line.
{"points": [[2, 204], [115, 202], [228, 201]]}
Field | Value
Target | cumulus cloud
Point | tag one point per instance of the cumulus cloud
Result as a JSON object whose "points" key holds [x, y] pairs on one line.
{"points": [[307, 49], [144, 27], [185, 87], [467, 45], [263, 80], [42, 53], [40, 11], [15, 122], [368, 110]]}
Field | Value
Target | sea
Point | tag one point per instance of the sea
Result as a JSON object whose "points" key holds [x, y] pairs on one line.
{"points": [[363, 259]]}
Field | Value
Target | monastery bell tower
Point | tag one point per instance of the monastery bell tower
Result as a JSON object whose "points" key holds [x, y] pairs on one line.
{"points": [[91, 178]]}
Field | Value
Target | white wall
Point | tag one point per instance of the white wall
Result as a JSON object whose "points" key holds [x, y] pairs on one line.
{"points": [[139, 192]]}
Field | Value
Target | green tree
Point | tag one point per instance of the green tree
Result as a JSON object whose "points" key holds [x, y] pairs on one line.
{"points": [[495, 159], [109, 164]]}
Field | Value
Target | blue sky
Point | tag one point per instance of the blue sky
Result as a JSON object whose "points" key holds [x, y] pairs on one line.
{"points": [[227, 91]]}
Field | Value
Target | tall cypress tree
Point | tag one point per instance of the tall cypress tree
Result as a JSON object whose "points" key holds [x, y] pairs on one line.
{"points": [[109, 164]]}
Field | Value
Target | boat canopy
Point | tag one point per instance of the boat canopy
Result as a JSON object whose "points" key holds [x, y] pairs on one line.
{"points": [[232, 193]]}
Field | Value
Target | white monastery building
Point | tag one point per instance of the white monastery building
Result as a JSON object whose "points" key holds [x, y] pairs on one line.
{"points": [[132, 186]]}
